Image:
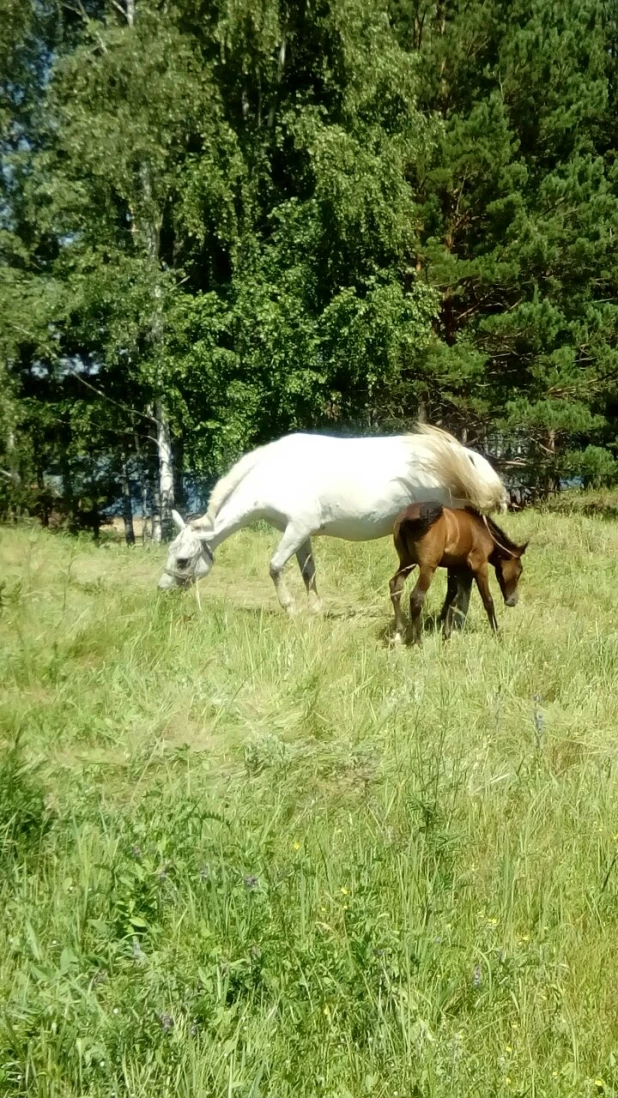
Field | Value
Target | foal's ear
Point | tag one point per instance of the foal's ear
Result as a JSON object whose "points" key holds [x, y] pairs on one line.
{"points": [[522, 548]]}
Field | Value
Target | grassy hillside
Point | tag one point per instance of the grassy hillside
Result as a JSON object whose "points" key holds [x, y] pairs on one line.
{"points": [[243, 855]]}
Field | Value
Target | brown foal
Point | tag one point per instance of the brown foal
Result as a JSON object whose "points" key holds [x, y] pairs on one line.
{"points": [[463, 541]]}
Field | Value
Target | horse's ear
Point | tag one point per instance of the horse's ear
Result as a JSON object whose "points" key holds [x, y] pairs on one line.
{"points": [[178, 520], [202, 535], [522, 548]]}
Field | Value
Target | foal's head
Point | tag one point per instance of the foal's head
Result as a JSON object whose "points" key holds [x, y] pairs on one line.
{"points": [[508, 572], [506, 559]]}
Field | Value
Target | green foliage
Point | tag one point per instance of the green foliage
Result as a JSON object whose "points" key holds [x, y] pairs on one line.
{"points": [[259, 218]]}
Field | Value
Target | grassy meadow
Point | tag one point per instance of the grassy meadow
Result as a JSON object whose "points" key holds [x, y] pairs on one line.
{"points": [[243, 855]]}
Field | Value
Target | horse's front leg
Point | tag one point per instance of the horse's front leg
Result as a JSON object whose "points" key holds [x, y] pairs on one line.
{"points": [[417, 599], [306, 563], [290, 543]]}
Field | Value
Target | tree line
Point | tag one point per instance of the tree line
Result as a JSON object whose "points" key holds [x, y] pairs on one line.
{"points": [[222, 220]]}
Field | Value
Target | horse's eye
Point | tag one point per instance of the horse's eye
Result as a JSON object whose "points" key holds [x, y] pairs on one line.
{"points": [[182, 562]]}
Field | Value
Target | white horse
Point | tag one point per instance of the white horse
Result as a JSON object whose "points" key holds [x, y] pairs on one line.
{"points": [[351, 488]]}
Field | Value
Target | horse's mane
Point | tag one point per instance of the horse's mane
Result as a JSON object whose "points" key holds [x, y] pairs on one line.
{"points": [[500, 536], [453, 465]]}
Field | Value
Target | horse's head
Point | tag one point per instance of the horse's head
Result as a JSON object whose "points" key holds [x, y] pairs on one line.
{"points": [[189, 556], [508, 573]]}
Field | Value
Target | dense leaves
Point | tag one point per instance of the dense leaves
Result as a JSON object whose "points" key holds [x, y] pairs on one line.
{"points": [[223, 221]]}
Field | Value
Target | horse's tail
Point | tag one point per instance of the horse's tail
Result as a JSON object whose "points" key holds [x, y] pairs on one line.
{"points": [[454, 467], [226, 485]]}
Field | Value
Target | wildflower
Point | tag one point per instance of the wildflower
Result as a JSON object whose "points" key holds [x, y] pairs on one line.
{"points": [[476, 976], [138, 952], [205, 872], [344, 891], [539, 720], [136, 852], [508, 1048], [507, 1081], [296, 846], [167, 1022], [250, 881]]}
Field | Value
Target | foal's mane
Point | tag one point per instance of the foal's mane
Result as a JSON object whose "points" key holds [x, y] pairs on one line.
{"points": [[500, 537]]}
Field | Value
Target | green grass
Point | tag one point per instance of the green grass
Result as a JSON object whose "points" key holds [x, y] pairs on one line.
{"points": [[252, 856]]}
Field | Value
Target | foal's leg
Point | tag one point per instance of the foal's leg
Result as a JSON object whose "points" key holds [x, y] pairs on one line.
{"points": [[304, 556], [396, 585], [417, 599], [290, 543], [482, 582]]}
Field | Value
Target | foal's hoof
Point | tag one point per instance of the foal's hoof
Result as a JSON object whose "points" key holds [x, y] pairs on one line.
{"points": [[396, 640], [315, 606]]}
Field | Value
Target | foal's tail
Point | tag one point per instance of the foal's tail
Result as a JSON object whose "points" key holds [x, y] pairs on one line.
{"points": [[410, 527], [418, 519]]}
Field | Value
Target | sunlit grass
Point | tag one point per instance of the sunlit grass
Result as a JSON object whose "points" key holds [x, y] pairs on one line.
{"points": [[241, 854]]}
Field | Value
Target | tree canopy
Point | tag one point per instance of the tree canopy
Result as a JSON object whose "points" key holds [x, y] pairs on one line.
{"points": [[225, 220]]}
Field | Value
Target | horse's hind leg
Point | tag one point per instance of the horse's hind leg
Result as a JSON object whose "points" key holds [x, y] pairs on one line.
{"points": [[417, 599], [455, 609], [462, 605], [451, 595], [290, 543], [396, 586], [306, 563]]}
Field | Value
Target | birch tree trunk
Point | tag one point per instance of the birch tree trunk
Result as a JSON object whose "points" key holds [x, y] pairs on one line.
{"points": [[148, 229], [127, 506], [166, 475]]}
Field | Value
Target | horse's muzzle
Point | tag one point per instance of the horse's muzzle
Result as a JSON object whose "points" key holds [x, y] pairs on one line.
{"points": [[512, 600]]}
